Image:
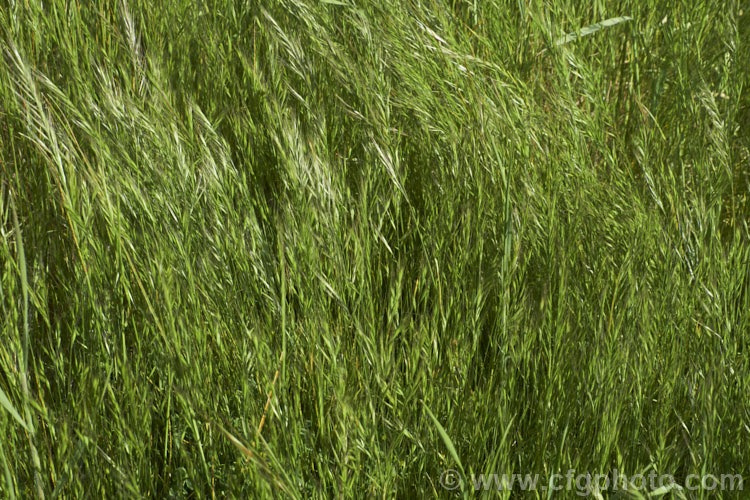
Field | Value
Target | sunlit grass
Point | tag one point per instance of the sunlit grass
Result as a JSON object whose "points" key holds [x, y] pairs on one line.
{"points": [[319, 249]]}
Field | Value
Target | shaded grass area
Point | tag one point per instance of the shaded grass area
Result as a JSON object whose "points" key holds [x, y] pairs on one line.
{"points": [[326, 249]]}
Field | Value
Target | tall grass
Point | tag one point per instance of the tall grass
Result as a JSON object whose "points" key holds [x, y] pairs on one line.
{"points": [[332, 249]]}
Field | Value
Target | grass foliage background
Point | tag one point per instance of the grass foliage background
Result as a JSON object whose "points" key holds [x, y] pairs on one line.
{"points": [[248, 248]]}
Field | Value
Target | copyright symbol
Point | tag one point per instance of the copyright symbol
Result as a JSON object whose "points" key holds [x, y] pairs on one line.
{"points": [[450, 479]]}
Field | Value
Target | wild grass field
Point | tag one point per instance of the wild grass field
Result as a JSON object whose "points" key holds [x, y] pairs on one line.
{"points": [[336, 248]]}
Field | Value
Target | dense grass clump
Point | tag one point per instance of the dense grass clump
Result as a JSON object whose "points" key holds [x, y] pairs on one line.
{"points": [[331, 249]]}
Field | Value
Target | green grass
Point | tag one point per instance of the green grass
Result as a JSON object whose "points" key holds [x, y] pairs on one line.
{"points": [[329, 249]]}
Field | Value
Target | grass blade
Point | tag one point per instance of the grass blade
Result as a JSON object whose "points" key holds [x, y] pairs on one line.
{"points": [[592, 28], [5, 402]]}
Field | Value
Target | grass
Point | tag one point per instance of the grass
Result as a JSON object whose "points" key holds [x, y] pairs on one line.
{"points": [[333, 248]]}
